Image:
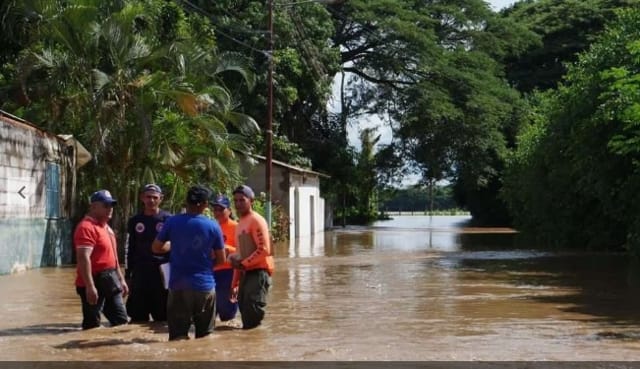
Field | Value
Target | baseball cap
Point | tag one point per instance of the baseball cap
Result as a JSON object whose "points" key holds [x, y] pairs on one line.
{"points": [[152, 187], [244, 190], [198, 194], [222, 200], [103, 196]]}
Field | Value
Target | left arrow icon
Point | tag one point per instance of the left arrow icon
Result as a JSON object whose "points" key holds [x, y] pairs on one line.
{"points": [[20, 192]]}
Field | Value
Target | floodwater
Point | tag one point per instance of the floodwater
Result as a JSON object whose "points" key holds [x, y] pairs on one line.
{"points": [[413, 288]]}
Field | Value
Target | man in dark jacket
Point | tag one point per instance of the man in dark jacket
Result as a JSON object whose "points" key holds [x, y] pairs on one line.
{"points": [[148, 294]]}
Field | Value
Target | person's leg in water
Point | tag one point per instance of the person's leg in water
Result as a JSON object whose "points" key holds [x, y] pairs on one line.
{"points": [[252, 297], [225, 309]]}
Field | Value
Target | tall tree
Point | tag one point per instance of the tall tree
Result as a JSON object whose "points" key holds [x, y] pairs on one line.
{"points": [[564, 29], [431, 67], [573, 180]]}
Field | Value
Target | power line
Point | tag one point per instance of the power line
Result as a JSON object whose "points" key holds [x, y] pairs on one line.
{"points": [[203, 12]]}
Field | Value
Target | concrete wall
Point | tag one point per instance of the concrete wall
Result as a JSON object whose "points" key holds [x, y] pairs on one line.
{"points": [[306, 211], [279, 182], [28, 236]]}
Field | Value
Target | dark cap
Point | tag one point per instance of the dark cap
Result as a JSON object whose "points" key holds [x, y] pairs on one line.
{"points": [[221, 200], [198, 194], [244, 190], [151, 187], [103, 196]]}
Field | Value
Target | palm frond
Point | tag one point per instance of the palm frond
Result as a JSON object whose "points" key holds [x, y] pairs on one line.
{"points": [[234, 61], [244, 123], [100, 79]]}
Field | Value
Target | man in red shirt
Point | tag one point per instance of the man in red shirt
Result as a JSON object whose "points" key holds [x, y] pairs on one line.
{"points": [[99, 280]]}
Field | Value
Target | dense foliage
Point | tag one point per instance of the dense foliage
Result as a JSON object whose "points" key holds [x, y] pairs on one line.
{"points": [[139, 84], [573, 180], [525, 117]]}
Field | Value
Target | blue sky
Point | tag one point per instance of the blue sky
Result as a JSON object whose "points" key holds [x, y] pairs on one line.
{"points": [[499, 4]]}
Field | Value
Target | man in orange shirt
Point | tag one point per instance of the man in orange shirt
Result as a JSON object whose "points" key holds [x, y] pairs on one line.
{"points": [[252, 261], [99, 280], [226, 306]]}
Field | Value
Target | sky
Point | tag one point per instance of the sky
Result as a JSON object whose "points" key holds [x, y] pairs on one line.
{"points": [[499, 4]]}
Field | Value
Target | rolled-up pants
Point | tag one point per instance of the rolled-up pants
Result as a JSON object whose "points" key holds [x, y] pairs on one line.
{"points": [[252, 297]]}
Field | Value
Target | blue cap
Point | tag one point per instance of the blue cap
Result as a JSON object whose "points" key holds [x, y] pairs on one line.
{"points": [[223, 201], [198, 194], [103, 196], [244, 190], [152, 187]]}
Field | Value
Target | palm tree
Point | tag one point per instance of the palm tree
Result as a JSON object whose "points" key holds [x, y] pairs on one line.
{"points": [[148, 107]]}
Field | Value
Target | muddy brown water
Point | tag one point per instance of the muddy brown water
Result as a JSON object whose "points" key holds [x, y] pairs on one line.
{"points": [[413, 288]]}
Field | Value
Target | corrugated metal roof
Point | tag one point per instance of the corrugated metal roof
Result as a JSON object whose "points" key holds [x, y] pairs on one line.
{"points": [[291, 167]]}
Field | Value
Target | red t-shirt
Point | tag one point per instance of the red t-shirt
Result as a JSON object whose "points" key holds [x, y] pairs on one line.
{"points": [[101, 239]]}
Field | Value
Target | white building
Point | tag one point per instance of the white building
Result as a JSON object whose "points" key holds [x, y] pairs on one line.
{"points": [[296, 190]]}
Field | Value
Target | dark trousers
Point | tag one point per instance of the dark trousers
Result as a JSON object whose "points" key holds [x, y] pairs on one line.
{"points": [[147, 295], [112, 308], [252, 297], [185, 306], [226, 309]]}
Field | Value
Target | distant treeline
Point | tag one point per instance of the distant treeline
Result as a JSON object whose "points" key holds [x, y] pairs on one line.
{"points": [[418, 200]]}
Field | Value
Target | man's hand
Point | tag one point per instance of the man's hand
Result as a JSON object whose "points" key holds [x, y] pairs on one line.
{"points": [[236, 262], [234, 295], [91, 294], [125, 288]]}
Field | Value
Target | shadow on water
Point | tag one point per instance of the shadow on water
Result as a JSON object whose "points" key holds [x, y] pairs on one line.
{"points": [[95, 343], [604, 287], [38, 329]]}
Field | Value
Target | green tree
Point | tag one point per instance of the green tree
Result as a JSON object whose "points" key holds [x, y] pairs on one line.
{"points": [[573, 180], [138, 84], [564, 28]]}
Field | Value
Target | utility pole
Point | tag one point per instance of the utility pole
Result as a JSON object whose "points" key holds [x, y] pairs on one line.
{"points": [[269, 130]]}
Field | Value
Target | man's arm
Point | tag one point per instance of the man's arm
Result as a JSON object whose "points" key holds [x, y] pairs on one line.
{"points": [[262, 240], [160, 247], [83, 256], [218, 257]]}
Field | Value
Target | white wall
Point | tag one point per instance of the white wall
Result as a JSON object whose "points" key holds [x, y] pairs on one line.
{"points": [[306, 211]]}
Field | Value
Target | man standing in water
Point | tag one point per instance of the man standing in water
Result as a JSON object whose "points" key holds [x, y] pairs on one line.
{"points": [[99, 280], [253, 263], [195, 241], [223, 273], [148, 294]]}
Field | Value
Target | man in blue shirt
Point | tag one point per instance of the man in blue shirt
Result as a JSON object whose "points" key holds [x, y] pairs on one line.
{"points": [[195, 242], [148, 295]]}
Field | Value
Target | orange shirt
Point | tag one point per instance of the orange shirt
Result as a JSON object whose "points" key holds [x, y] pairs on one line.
{"points": [[229, 236], [254, 242], [100, 237], [253, 245]]}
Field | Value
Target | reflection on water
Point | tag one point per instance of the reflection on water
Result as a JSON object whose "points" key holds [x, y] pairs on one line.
{"points": [[414, 288]]}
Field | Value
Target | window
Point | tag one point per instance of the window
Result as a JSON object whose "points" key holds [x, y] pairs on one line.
{"points": [[52, 178]]}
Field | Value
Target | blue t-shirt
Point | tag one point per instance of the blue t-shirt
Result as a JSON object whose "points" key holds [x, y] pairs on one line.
{"points": [[192, 237]]}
